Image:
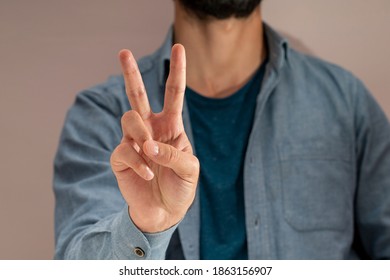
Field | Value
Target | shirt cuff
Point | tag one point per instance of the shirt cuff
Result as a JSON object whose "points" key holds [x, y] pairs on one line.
{"points": [[130, 243]]}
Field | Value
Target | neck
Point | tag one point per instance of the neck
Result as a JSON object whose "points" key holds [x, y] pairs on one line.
{"points": [[222, 55]]}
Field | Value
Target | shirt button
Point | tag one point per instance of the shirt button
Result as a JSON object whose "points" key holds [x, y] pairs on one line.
{"points": [[139, 252]]}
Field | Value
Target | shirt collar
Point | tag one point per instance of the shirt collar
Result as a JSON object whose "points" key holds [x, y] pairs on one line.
{"points": [[277, 47]]}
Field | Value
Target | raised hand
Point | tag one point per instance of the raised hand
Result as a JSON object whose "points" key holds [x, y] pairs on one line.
{"points": [[154, 164]]}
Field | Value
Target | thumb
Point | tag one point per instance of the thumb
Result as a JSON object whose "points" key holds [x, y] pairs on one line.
{"points": [[185, 165]]}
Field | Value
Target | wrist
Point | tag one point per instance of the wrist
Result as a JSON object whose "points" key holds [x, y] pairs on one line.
{"points": [[154, 223]]}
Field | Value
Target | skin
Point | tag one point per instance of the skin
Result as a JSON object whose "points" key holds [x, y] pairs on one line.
{"points": [[154, 164], [214, 46]]}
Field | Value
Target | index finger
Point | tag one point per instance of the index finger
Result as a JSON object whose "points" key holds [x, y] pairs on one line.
{"points": [[135, 88], [176, 82]]}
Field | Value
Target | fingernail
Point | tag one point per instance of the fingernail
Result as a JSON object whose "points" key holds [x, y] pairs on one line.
{"points": [[152, 148], [149, 174]]}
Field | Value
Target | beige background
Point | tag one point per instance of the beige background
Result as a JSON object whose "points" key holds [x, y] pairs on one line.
{"points": [[52, 49]]}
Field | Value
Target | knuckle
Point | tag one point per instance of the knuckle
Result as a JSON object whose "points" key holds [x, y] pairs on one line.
{"points": [[196, 163], [128, 117], [123, 156], [193, 165], [119, 150], [112, 158], [173, 155], [136, 92], [115, 155], [136, 163], [178, 68], [175, 89]]}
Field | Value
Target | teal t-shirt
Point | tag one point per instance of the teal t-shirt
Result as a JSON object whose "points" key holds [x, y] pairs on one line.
{"points": [[221, 129]]}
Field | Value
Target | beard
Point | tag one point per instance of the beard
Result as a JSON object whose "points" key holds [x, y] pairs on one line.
{"points": [[220, 9]]}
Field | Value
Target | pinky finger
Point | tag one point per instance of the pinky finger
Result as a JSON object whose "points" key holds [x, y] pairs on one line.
{"points": [[126, 157]]}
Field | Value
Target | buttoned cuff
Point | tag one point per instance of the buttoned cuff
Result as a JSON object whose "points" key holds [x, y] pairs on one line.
{"points": [[130, 243]]}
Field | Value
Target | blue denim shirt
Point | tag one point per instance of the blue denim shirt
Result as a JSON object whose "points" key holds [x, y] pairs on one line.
{"points": [[316, 171]]}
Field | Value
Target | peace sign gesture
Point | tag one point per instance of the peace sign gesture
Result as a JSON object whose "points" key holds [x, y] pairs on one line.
{"points": [[154, 164]]}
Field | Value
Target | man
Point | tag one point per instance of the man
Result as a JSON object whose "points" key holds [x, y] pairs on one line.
{"points": [[269, 154]]}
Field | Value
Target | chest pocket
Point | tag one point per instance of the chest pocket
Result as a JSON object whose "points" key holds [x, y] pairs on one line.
{"points": [[316, 184]]}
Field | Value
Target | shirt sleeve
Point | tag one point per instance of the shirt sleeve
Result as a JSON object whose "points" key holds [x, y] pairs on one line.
{"points": [[91, 217], [373, 175]]}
